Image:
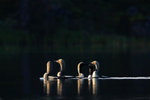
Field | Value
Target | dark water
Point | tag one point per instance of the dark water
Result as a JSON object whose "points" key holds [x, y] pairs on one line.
{"points": [[20, 75]]}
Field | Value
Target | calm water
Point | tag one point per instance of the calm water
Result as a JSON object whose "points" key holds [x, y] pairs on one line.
{"points": [[20, 75]]}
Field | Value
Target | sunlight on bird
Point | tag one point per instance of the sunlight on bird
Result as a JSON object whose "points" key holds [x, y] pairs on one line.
{"points": [[93, 69], [45, 76], [61, 62], [80, 75]]}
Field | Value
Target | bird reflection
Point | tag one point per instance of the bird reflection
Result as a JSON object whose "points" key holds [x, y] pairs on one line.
{"points": [[80, 84], [89, 84], [49, 83], [59, 87], [93, 85]]}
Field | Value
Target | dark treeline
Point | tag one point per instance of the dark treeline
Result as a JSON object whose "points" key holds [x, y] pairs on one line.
{"points": [[127, 17]]}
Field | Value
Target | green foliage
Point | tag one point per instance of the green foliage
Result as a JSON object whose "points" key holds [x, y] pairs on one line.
{"points": [[71, 26], [67, 41]]}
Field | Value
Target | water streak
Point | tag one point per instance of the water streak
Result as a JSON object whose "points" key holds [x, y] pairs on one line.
{"points": [[108, 78], [125, 78]]}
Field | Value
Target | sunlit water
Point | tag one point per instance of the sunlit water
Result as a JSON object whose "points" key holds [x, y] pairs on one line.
{"points": [[19, 78]]}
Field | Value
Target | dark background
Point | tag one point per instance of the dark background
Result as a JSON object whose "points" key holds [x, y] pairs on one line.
{"points": [[114, 32]]}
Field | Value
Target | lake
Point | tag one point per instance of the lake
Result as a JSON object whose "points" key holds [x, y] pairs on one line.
{"points": [[20, 73]]}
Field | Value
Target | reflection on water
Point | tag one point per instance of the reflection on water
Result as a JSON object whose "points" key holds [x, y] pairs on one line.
{"points": [[24, 78], [79, 85], [93, 86], [50, 89], [48, 84], [59, 87]]}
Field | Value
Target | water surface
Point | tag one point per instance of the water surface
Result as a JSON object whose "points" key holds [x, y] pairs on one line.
{"points": [[20, 75]]}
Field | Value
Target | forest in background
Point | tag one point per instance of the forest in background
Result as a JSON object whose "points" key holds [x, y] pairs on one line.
{"points": [[74, 25]]}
